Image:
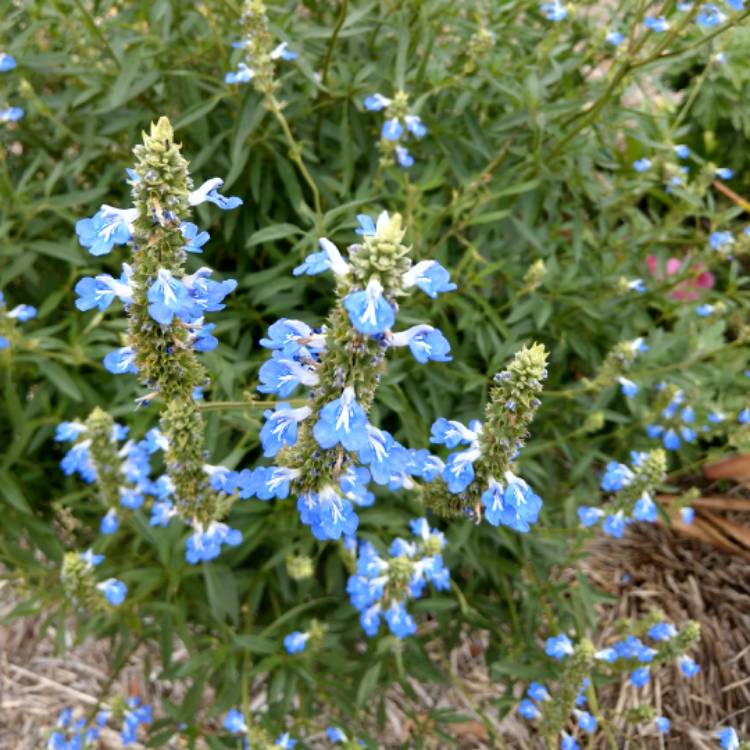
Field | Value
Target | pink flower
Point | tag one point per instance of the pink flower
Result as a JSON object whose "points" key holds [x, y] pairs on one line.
{"points": [[688, 289]]}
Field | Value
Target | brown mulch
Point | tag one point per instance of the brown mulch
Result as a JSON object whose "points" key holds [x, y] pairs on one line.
{"points": [[658, 567]]}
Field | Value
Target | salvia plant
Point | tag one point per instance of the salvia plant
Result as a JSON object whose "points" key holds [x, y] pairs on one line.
{"points": [[477, 298]]}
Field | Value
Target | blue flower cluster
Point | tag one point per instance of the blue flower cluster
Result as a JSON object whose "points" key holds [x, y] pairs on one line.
{"points": [[234, 722], [298, 354], [70, 734], [398, 125], [531, 708], [20, 314], [382, 585], [616, 478], [675, 423], [187, 298], [245, 73], [508, 502], [134, 471]]}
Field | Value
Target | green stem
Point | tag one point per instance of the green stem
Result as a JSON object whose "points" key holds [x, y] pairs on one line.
{"points": [[295, 154], [594, 703], [332, 41]]}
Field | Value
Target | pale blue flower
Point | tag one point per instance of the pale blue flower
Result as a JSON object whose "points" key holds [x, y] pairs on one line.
{"points": [[22, 313], [642, 165], [688, 666], [329, 257], [234, 722], [114, 591], [392, 129], [121, 361], [430, 277], [11, 114], [342, 421], [369, 311], [657, 24], [209, 191], [399, 621], [682, 151], [553, 11], [194, 240], [6, 62], [168, 298], [645, 509], [558, 647], [376, 102], [109, 523], [724, 173], [282, 375], [728, 739], [687, 515], [662, 724], [710, 16], [108, 227], [282, 52], [615, 38], [628, 387], [243, 74], [425, 343], [403, 157], [589, 516], [280, 427], [296, 642], [640, 677]]}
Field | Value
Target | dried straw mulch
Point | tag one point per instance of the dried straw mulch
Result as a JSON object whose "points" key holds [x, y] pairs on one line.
{"points": [[659, 567]]}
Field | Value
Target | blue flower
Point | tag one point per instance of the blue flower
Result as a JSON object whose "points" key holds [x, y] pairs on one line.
{"points": [[67, 431], [637, 285], [4, 343], [203, 339], [392, 129], [369, 312], [724, 173], [687, 515], [657, 24], [615, 38], [194, 240], [662, 631], [403, 157], [400, 622], [168, 298], [22, 313], [100, 291], [11, 114], [430, 277], [567, 742], [280, 428], [415, 126], [538, 692], [425, 343], [645, 509], [671, 440], [728, 739], [78, 460], [616, 477], [272, 482], [736, 4], [704, 311], [376, 102], [234, 722], [558, 647], [342, 421], [688, 666], [91, 558], [514, 505], [162, 512], [614, 525], [243, 74], [114, 591], [106, 228], [589, 516], [282, 52], [554, 11], [628, 387], [642, 165], [744, 416], [335, 734], [282, 375], [6, 62], [458, 473], [662, 724], [382, 454], [682, 151], [209, 191], [296, 642], [206, 294], [205, 544], [327, 513], [451, 433], [366, 226], [329, 257], [109, 523], [121, 361], [640, 677], [710, 16], [720, 240], [586, 721]]}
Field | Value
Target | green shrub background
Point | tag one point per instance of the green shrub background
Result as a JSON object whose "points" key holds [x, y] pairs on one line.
{"points": [[528, 157]]}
